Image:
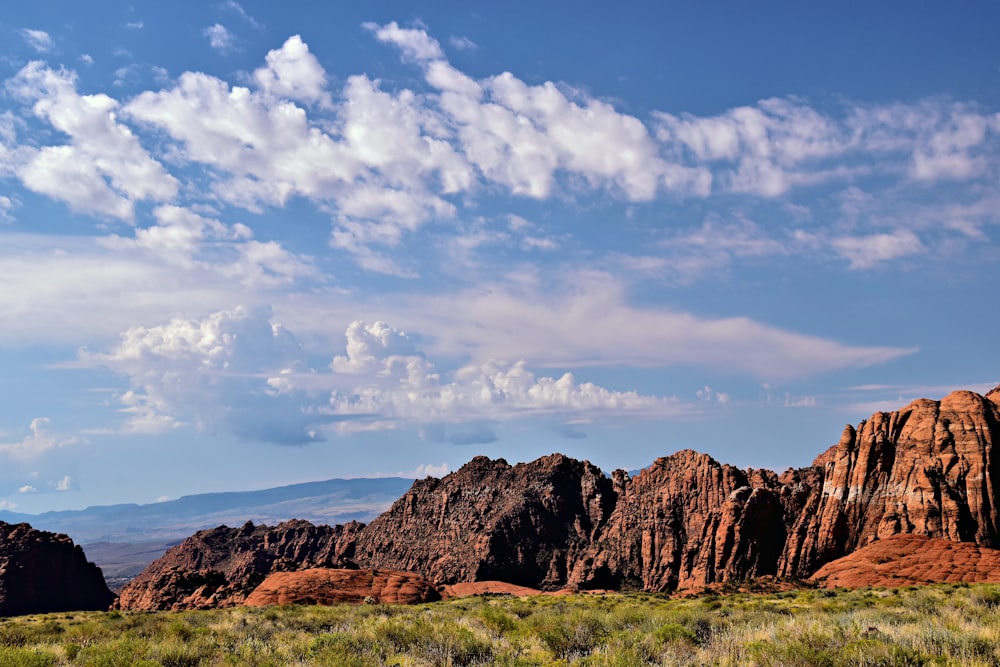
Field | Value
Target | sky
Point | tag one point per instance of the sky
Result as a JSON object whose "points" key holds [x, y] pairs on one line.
{"points": [[247, 244]]}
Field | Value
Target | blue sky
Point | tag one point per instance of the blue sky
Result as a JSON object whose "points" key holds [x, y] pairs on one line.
{"points": [[244, 244]]}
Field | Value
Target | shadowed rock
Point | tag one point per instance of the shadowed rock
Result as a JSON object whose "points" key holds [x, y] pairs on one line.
{"points": [[43, 572]]}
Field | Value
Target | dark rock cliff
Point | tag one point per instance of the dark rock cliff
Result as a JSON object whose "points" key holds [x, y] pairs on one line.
{"points": [[43, 572]]}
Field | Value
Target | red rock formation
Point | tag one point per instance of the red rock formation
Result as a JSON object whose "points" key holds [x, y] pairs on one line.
{"points": [[928, 469], [222, 566], [332, 586], [527, 524], [905, 560], [471, 588], [684, 522], [44, 572]]}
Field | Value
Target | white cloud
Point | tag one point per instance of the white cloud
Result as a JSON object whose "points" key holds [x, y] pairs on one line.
{"points": [[188, 240], [39, 40], [294, 73], [212, 372], [87, 59], [6, 206], [586, 320], [64, 484], [864, 252], [7, 505], [415, 43], [420, 472], [27, 488], [463, 43], [234, 6], [399, 384], [37, 442], [219, 38], [135, 25], [104, 169]]}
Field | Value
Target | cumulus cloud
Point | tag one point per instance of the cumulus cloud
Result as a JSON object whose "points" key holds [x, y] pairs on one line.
{"points": [[235, 370], [39, 440], [386, 161], [402, 385], [104, 168], [294, 73], [415, 43], [188, 240], [39, 40], [212, 372]]}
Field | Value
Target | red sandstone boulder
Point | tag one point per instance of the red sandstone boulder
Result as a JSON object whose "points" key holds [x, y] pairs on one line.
{"points": [[905, 560], [471, 588], [334, 586]]}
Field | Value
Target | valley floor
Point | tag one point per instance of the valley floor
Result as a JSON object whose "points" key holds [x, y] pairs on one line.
{"points": [[950, 624]]}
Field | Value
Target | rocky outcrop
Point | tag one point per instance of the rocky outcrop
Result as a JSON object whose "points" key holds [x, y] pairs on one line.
{"points": [[928, 469], [43, 572], [331, 586], [906, 560], [222, 566], [687, 521], [528, 524]]}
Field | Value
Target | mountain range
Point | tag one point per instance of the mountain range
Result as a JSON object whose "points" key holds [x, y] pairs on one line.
{"points": [[687, 521]]}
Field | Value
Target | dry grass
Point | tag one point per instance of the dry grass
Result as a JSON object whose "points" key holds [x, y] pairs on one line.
{"points": [[936, 625]]}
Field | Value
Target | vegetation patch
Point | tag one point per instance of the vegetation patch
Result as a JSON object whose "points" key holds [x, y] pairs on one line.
{"points": [[933, 625]]}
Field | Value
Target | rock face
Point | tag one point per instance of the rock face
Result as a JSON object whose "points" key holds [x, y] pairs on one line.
{"points": [[527, 524], [222, 566], [330, 586], [905, 560], [685, 521], [928, 470], [44, 572]]}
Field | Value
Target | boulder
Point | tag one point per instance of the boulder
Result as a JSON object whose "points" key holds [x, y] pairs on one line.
{"points": [[335, 586]]}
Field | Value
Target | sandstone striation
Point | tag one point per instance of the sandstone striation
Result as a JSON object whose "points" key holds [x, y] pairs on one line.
{"points": [[332, 586], [906, 560], [928, 469], [687, 521], [43, 572], [222, 566]]}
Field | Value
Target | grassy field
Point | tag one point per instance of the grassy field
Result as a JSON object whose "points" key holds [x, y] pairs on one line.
{"points": [[937, 625]]}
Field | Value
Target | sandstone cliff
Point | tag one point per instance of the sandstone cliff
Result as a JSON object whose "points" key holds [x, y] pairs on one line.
{"points": [[684, 522], [44, 572], [928, 469]]}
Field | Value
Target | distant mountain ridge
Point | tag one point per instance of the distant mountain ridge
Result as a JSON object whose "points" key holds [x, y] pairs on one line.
{"points": [[328, 502]]}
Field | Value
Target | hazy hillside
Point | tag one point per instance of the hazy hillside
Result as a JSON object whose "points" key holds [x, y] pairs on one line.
{"points": [[329, 502]]}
